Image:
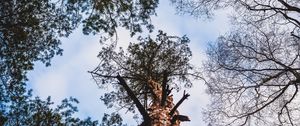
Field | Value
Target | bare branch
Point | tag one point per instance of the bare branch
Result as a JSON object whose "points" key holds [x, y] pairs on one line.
{"points": [[165, 89], [138, 104], [184, 97]]}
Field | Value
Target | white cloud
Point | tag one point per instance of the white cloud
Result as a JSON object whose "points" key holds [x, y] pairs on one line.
{"points": [[67, 76], [53, 84]]}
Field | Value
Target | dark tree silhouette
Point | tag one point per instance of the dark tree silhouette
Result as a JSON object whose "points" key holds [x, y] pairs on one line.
{"points": [[145, 75], [30, 31], [106, 16], [29, 111], [257, 73], [113, 119]]}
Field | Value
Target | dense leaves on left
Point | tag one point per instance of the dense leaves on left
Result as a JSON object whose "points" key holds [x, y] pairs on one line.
{"points": [[29, 32], [30, 29]]}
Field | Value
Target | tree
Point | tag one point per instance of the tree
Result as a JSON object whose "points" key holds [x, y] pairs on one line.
{"points": [[151, 69], [30, 111], [112, 120], [281, 13], [257, 73], [30, 31], [107, 15], [258, 10], [252, 72]]}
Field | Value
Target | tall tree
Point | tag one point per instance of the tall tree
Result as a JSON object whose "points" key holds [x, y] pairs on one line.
{"points": [[253, 71], [257, 73], [164, 60], [30, 31]]}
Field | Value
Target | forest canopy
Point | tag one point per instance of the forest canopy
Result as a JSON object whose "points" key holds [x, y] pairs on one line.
{"points": [[31, 31], [251, 72]]}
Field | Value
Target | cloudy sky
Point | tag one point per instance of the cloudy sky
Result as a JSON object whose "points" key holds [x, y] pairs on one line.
{"points": [[67, 76]]}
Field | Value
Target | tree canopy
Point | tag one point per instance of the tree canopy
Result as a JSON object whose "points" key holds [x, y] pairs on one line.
{"points": [[107, 15], [165, 56], [30, 31], [252, 72], [257, 73], [27, 110]]}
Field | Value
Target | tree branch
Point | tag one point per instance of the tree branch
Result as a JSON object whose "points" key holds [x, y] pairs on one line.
{"points": [[110, 76], [180, 118], [138, 104], [289, 7], [185, 96], [164, 89]]}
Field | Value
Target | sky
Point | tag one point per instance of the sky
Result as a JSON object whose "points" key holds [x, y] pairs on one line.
{"points": [[67, 76]]}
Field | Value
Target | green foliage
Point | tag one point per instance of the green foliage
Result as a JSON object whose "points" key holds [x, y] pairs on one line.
{"points": [[30, 31], [107, 15], [28, 111], [112, 120], [147, 59]]}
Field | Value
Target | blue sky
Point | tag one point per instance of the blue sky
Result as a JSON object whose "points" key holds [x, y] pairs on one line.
{"points": [[67, 76]]}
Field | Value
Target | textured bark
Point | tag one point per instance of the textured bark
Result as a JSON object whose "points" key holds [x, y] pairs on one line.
{"points": [[162, 111]]}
